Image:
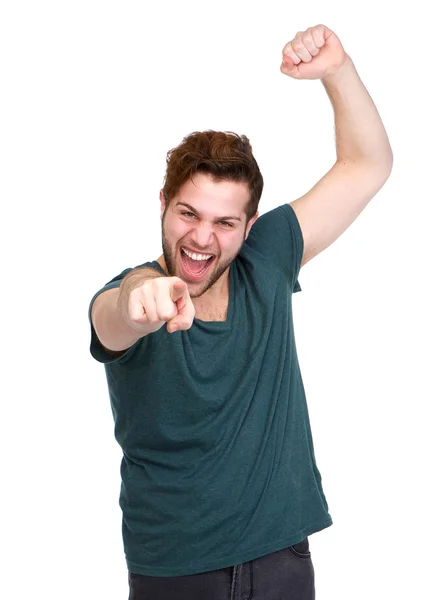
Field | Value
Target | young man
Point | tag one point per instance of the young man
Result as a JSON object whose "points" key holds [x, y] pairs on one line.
{"points": [[220, 486]]}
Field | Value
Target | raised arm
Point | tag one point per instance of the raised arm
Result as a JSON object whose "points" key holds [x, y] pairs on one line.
{"points": [[364, 155]]}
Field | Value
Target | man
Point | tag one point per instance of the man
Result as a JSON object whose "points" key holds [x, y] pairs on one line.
{"points": [[220, 486]]}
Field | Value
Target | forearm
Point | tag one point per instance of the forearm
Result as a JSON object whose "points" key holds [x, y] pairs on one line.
{"points": [[107, 315], [110, 327], [360, 134]]}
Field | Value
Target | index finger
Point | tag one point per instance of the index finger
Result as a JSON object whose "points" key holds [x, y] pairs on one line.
{"points": [[178, 290]]}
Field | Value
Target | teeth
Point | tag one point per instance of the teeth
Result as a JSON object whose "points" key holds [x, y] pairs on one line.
{"points": [[196, 256]]}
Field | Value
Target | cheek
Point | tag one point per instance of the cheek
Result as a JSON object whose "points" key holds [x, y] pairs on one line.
{"points": [[231, 242], [176, 230]]}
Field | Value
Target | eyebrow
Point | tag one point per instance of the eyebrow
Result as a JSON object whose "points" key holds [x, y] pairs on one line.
{"points": [[198, 214]]}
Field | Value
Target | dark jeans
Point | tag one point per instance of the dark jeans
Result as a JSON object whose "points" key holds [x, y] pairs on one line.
{"points": [[284, 575]]}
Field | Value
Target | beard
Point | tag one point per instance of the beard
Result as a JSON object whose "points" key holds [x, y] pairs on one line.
{"points": [[221, 265]]}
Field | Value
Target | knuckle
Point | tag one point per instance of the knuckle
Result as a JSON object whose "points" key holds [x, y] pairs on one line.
{"points": [[138, 316], [165, 315], [154, 284], [140, 308]]}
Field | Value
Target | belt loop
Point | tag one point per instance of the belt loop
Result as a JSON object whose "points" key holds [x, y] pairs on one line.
{"points": [[234, 581]]}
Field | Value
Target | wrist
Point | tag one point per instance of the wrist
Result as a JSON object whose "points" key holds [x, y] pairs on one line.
{"points": [[137, 277], [339, 73]]}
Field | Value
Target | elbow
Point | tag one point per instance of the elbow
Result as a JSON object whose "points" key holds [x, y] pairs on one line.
{"points": [[389, 164]]}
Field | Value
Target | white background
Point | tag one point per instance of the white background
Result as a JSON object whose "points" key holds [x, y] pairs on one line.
{"points": [[93, 96]]}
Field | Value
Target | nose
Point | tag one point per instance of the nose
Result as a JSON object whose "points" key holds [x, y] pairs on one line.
{"points": [[202, 235]]}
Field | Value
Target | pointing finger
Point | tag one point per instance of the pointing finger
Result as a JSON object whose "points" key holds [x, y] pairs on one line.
{"points": [[178, 289]]}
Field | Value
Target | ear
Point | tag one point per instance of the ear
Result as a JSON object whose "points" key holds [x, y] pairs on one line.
{"points": [[162, 204], [250, 224]]}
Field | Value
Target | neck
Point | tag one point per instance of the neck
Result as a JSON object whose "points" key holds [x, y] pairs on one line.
{"points": [[219, 290]]}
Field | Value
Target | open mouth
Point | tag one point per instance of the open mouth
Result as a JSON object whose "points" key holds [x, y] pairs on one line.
{"points": [[195, 265]]}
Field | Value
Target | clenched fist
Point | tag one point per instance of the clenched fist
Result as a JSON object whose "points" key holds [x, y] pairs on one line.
{"points": [[313, 54], [146, 307]]}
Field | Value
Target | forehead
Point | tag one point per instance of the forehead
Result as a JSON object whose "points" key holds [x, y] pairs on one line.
{"points": [[224, 198]]}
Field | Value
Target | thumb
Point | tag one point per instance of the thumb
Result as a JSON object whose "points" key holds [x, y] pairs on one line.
{"points": [[185, 317], [182, 322]]}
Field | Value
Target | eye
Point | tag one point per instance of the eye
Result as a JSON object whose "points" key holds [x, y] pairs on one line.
{"points": [[226, 224], [188, 214]]}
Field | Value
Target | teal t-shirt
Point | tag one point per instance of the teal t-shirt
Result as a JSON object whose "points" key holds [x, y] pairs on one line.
{"points": [[218, 461]]}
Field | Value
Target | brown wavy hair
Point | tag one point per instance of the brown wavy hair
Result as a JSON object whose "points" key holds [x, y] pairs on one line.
{"points": [[224, 155]]}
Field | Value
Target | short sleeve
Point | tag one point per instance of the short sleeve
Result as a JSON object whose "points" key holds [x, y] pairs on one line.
{"points": [[96, 348], [277, 236]]}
